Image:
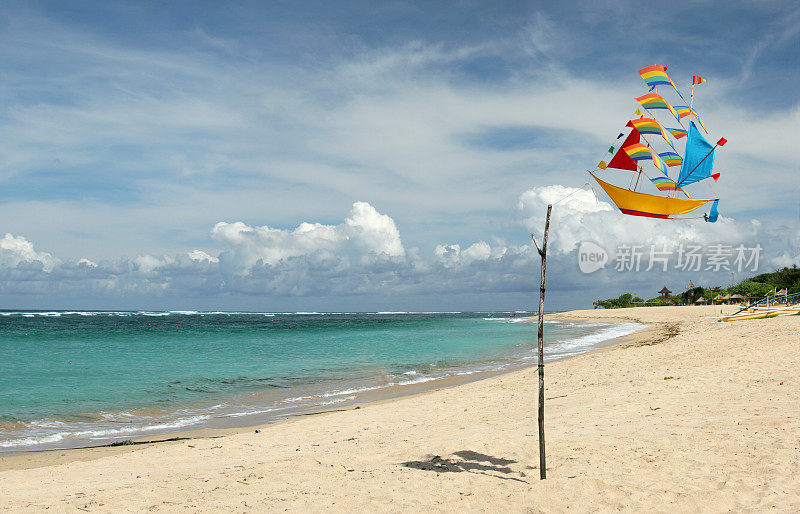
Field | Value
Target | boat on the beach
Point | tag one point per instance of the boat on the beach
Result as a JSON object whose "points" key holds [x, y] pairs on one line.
{"points": [[762, 314], [695, 160], [787, 305]]}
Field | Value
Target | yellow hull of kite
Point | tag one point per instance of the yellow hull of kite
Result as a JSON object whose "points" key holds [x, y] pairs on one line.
{"points": [[642, 204]]}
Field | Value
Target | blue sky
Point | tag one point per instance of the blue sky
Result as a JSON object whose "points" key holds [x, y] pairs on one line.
{"points": [[132, 130]]}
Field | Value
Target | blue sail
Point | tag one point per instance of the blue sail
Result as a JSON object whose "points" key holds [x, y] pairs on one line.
{"points": [[712, 217], [699, 156]]}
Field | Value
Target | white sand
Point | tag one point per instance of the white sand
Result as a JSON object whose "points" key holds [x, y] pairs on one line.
{"points": [[722, 435]]}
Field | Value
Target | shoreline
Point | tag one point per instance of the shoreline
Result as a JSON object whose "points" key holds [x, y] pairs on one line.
{"points": [[34, 458], [231, 399], [702, 414], [386, 394]]}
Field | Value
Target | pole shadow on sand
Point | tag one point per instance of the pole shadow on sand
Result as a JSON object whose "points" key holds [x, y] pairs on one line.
{"points": [[469, 461]]}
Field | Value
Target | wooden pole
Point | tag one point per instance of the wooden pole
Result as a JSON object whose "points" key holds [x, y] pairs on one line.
{"points": [[637, 179], [543, 255]]}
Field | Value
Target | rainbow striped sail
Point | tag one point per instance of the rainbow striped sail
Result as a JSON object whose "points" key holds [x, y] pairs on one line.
{"points": [[650, 126], [677, 133], [659, 163], [671, 158], [683, 111], [665, 184], [656, 101], [640, 152], [647, 126], [700, 121], [656, 75]]}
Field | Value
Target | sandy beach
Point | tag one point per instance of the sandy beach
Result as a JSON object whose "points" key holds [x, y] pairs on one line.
{"points": [[684, 415]]}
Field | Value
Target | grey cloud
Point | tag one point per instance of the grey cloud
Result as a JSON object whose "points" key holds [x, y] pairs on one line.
{"points": [[364, 255]]}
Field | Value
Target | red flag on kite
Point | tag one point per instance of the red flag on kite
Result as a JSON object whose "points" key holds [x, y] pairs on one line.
{"points": [[622, 160], [697, 79]]}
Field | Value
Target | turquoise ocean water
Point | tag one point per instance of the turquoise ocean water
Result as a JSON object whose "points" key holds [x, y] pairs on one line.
{"points": [[72, 379]]}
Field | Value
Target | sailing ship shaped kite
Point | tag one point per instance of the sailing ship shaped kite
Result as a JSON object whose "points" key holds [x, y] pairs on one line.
{"points": [[639, 149]]}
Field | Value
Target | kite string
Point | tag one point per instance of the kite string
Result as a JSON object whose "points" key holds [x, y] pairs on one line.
{"points": [[572, 193]]}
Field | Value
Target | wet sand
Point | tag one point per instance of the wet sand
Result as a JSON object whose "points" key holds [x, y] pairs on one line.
{"points": [[684, 415]]}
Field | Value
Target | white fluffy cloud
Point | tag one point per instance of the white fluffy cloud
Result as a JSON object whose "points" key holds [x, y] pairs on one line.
{"points": [[364, 236], [452, 256], [16, 250], [364, 254], [200, 255]]}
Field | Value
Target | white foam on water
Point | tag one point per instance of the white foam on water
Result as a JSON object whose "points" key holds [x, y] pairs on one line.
{"points": [[352, 391], [179, 423], [508, 320], [46, 423], [420, 380], [296, 399], [253, 412], [31, 441], [338, 400], [102, 433], [610, 332]]}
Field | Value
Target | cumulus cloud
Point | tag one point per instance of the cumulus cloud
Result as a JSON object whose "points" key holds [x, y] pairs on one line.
{"points": [[452, 256], [16, 250], [364, 254], [786, 260], [87, 263], [366, 235]]}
